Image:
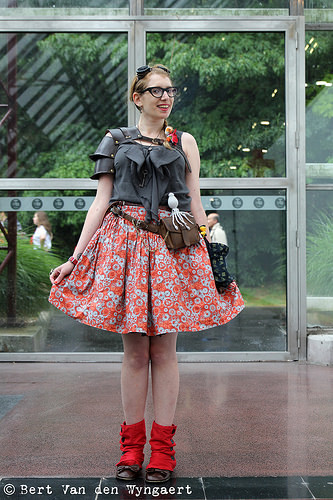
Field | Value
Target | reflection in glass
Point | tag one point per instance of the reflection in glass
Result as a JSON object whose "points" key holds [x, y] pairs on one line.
{"points": [[255, 225], [65, 3], [319, 108], [319, 158], [232, 95], [70, 88], [317, 4], [218, 4], [319, 250]]}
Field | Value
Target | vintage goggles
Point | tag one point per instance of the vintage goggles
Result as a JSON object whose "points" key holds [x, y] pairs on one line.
{"points": [[144, 70]]}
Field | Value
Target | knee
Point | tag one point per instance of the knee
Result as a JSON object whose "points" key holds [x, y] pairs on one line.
{"points": [[137, 359], [159, 354]]}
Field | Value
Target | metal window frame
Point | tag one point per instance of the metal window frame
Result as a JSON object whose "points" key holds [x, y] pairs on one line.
{"points": [[137, 27]]}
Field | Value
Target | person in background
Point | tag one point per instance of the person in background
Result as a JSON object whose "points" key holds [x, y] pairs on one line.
{"points": [[216, 231], [4, 221], [42, 236]]}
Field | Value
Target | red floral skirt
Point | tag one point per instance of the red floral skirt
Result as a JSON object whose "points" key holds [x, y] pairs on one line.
{"points": [[127, 280]]}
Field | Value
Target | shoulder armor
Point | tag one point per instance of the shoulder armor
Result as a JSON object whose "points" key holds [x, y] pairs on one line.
{"points": [[106, 151]]}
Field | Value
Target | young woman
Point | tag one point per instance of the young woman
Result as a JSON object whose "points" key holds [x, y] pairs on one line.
{"points": [[124, 279], [42, 236]]}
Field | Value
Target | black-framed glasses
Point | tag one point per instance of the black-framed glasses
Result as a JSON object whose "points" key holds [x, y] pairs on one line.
{"points": [[159, 91]]}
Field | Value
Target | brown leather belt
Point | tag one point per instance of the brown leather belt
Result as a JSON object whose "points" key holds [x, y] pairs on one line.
{"points": [[140, 224]]}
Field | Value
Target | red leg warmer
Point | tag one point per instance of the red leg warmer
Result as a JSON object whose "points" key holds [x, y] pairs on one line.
{"points": [[132, 442], [162, 444]]}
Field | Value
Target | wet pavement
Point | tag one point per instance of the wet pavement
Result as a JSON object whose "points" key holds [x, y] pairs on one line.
{"points": [[245, 431]]}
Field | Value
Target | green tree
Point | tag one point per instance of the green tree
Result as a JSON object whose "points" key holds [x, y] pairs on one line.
{"points": [[229, 82]]}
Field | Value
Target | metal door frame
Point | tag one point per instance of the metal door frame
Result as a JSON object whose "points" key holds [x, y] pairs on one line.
{"points": [[293, 183]]}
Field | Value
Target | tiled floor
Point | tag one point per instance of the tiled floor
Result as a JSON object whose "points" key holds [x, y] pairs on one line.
{"points": [[200, 488], [245, 431]]}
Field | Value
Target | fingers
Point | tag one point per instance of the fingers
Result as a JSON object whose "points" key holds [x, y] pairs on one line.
{"points": [[55, 275], [58, 274]]}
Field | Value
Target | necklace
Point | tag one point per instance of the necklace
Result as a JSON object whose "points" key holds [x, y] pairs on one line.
{"points": [[154, 140]]}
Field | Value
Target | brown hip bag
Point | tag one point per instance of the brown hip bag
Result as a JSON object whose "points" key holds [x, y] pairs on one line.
{"points": [[175, 234]]}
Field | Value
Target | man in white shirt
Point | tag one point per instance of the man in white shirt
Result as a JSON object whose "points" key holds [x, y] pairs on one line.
{"points": [[216, 231]]}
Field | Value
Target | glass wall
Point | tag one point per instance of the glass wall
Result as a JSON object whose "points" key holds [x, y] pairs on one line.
{"points": [[222, 4], [318, 11], [319, 157], [217, 7], [318, 4], [233, 85], [60, 88], [260, 270], [63, 90], [63, 7], [63, 3]]}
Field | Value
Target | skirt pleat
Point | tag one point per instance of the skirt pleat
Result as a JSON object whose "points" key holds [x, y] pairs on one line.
{"points": [[127, 280]]}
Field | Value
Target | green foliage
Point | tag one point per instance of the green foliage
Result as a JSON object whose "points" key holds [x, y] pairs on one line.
{"points": [[319, 258], [268, 295], [74, 86], [84, 58], [33, 284], [227, 81], [319, 97], [69, 160]]}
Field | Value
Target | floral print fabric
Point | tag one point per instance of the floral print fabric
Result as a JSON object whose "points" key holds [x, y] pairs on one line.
{"points": [[127, 280]]}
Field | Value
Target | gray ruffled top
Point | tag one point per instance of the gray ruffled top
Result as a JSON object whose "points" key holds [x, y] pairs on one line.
{"points": [[147, 174]]}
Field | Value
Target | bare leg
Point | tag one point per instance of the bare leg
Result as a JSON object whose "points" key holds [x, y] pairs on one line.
{"points": [[134, 377], [165, 377]]}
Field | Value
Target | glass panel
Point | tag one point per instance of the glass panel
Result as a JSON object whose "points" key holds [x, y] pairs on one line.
{"points": [[319, 158], [255, 226], [319, 264], [318, 4], [232, 98], [319, 106], [254, 222], [55, 4], [218, 4], [63, 82], [319, 11]]}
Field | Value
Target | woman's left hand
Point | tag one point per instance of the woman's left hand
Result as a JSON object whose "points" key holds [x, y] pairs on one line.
{"points": [[58, 274]]}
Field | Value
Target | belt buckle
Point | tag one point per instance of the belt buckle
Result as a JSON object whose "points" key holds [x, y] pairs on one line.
{"points": [[116, 210]]}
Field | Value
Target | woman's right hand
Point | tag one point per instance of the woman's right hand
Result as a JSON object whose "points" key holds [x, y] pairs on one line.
{"points": [[58, 274]]}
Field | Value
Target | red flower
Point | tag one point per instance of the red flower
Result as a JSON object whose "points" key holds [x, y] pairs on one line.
{"points": [[172, 136]]}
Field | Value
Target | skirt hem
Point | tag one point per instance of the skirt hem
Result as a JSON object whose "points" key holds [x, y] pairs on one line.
{"points": [[147, 334]]}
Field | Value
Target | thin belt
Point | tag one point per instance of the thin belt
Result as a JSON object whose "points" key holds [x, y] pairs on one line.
{"points": [[153, 227]]}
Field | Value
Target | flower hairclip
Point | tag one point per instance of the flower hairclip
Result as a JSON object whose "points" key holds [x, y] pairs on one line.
{"points": [[171, 135]]}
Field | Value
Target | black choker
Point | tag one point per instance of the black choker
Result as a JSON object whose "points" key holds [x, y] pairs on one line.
{"points": [[155, 140]]}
